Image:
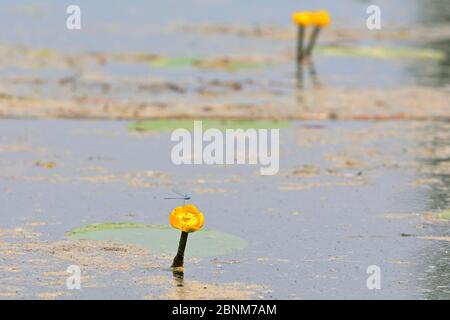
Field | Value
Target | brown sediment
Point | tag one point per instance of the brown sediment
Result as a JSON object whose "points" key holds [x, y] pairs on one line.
{"points": [[197, 290], [211, 190], [252, 98], [8, 294], [436, 238], [427, 217], [9, 269], [329, 184], [310, 177], [19, 147], [43, 265], [140, 179], [51, 295], [82, 63], [402, 104], [355, 157], [145, 179], [18, 233], [401, 216], [174, 288], [334, 33]]}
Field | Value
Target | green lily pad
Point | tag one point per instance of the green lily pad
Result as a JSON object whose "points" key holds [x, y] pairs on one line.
{"points": [[243, 65], [445, 215], [166, 62], [44, 53], [222, 64], [383, 52], [161, 239], [160, 125]]}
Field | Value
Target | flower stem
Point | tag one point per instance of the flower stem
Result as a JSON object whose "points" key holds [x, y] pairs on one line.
{"points": [[179, 258], [300, 40], [312, 41]]}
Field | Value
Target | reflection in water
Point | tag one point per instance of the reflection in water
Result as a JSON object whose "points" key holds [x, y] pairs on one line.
{"points": [[435, 163], [435, 260], [433, 11], [434, 72], [196, 290], [313, 74], [178, 276], [435, 281], [308, 67]]}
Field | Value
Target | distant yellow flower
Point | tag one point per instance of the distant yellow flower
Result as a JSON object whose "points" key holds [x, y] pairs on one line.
{"points": [[320, 18], [302, 18], [47, 165], [186, 218]]}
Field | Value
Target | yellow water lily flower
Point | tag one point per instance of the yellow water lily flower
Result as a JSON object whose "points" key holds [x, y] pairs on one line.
{"points": [[302, 18], [186, 218], [320, 18]]}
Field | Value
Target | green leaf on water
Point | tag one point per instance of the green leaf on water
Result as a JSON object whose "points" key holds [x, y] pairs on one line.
{"points": [[383, 52], [166, 62], [207, 63], [242, 65], [445, 215], [161, 125], [161, 239], [44, 53]]}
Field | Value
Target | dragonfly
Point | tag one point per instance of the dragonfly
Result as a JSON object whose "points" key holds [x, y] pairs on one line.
{"points": [[182, 196]]}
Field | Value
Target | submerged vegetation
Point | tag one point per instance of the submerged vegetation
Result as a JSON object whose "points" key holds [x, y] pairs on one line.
{"points": [[159, 125], [383, 52]]}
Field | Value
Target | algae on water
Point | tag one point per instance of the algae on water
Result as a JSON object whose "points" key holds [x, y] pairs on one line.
{"points": [[444, 215], [161, 125], [383, 52]]}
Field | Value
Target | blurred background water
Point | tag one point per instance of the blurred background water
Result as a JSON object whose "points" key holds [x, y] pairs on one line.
{"points": [[192, 28], [135, 25]]}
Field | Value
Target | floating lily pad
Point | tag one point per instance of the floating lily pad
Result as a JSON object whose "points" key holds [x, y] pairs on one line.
{"points": [[166, 62], [161, 239], [172, 124], [444, 215], [44, 53], [383, 52], [226, 64]]}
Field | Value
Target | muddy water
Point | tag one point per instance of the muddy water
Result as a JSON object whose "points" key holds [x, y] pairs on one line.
{"points": [[348, 195]]}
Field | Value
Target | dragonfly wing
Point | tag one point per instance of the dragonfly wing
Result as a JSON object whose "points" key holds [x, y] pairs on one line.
{"points": [[185, 196]]}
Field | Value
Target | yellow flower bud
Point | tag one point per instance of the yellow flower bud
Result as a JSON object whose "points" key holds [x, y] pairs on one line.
{"points": [[320, 18], [186, 218], [302, 18]]}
